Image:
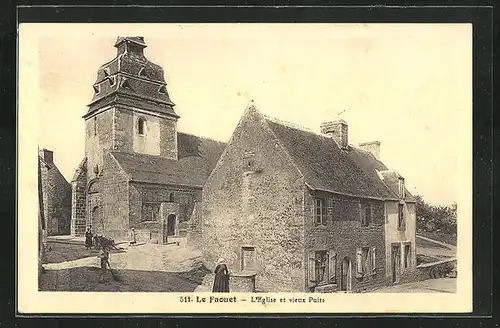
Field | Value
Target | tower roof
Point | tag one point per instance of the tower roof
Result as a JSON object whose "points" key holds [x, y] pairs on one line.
{"points": [[130, 79]]}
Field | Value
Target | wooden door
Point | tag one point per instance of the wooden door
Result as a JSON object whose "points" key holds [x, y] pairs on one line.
{"points": [[396, 262]]}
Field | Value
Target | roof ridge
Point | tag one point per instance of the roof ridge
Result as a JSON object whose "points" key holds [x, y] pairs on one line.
{"points": [[288, 124], [202, 137]]}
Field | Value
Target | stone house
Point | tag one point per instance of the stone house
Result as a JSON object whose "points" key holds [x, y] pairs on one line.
{"points": [[304, 211], [56, 195], [138, 170]]}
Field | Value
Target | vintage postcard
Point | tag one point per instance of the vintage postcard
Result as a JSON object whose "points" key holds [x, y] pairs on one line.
{"points": [[245, 168]]}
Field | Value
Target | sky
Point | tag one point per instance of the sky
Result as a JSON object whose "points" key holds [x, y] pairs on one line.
{"points": [[408, 86]]}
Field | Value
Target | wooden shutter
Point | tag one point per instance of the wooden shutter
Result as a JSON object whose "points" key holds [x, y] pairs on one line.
{"points": [[330, 209], [360, 211], [311, 269], [359, 262], [374, 260], [332, 267]]}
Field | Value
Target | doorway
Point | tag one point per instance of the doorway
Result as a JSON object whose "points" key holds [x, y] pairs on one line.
{"points": [[345, 277], [171, 220], [395, 262]]}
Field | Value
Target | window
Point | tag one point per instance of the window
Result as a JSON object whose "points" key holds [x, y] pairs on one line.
{"points": [[407, 256], [95, 125], [112, 80], [322, 267], [319, 211], [248, 258], [401, 217], [321, 273], [140, 126], [142, 71], [150, 212], [366, 215], [162, 89], [97, 88], [401, 188], [365, 261], [249, 161], [171, 197]]}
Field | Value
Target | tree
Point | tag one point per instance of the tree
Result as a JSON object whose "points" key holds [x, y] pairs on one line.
{"points": [[433, 218]]}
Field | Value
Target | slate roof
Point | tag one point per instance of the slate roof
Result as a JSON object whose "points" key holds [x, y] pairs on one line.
{"points": [[197, 158], [326, 167], [131, 73]]}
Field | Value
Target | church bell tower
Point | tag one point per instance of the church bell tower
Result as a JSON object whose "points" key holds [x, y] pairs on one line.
{"points": [[131, 110]]}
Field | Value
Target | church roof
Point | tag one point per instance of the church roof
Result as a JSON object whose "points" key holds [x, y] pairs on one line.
{"points": [[131, 75], [325, 166], [197, 158]]}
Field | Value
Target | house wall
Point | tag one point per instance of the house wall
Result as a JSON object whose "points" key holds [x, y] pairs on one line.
{"points": [[56, 201], [260, 208], [185, 197], [343, 234], [393, 235]]}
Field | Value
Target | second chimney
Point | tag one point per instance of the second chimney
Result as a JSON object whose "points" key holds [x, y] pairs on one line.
{"points": [[338, 131], [47, 155], [372, 147]]}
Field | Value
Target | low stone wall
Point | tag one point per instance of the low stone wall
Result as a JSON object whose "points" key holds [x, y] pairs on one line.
{"points": [[242, 282], [436, 270]]}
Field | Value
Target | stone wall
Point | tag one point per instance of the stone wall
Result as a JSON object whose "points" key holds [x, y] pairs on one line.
{"points": [[114, 196], [98, 139], [56, 200], [260, 206], [343, 235], [78, 199]]}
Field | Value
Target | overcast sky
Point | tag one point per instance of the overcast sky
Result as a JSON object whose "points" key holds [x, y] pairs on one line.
{"points": [[407, 86]]}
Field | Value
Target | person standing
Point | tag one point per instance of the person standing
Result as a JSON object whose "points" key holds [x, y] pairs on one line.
{"points": [[88, 238], [221, 281], [104, 257], [132, 240]]}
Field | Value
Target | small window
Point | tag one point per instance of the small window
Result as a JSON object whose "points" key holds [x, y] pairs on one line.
{"points": [[97, 88], [321, 258], [364, 261], [112, 80], [401, 188], [401, 217], [249, 161], [140, 126], [150, 212], [247, 258], [171, 197], [142, 72], [407, 255], [366, 215], [95, 125], [162, 89], [319, 211]]}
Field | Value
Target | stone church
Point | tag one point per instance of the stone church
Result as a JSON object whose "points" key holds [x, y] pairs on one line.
{"points": [[138, 170]]}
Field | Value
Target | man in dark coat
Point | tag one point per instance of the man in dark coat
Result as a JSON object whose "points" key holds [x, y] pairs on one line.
{"points": [[221, 282], [88, 238]]}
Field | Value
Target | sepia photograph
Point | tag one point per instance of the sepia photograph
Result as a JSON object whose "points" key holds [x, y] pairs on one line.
{"points": [[234, 163]]}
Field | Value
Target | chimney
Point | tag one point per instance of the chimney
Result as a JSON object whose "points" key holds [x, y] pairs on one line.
{"points": [[46, 155], [130, 44], [372, 147], [338, 131]]}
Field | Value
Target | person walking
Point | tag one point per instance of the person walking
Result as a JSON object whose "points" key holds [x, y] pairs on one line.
{"points": [[104, 257], [221, 281], [88, 238]]}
